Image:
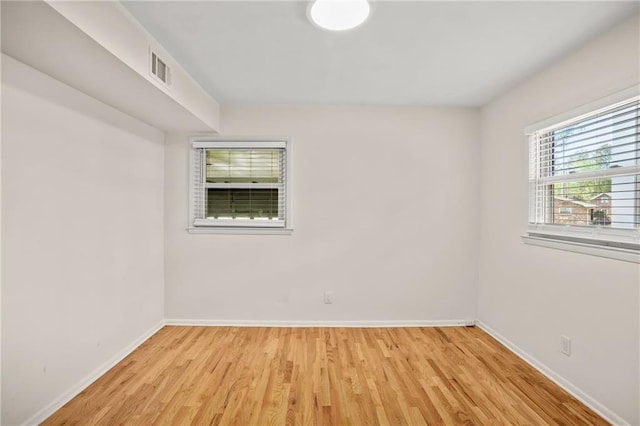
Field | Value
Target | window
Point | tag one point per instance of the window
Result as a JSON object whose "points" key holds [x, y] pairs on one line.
{"points": [[584, 176], [240, 184]]}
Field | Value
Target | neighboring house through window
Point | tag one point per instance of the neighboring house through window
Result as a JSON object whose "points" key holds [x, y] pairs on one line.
{"points": [[584, 176]]}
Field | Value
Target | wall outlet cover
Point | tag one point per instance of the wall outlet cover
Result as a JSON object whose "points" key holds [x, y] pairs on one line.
{"points": [[565, 345]]}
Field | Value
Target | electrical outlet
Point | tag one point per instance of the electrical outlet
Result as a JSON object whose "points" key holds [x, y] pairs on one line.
{"points": [[328, 297], [565, 345]]}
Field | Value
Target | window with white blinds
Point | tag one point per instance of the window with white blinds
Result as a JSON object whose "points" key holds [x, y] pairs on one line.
{"points": [[239, 183], [584, 177]]}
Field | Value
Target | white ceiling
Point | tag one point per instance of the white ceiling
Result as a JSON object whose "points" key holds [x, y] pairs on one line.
{"points": [[407, 53]]}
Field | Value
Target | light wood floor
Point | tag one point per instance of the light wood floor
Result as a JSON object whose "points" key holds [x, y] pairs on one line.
{"points": [[323, 376]]}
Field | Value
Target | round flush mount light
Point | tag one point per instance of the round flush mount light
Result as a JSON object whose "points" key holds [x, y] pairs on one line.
{"points": [[338, 15]]}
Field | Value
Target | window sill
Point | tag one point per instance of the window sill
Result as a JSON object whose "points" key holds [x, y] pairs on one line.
{"points": [[240, 231], [626, 255]]}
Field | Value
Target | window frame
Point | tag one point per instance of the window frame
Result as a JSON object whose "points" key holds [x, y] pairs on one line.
{"points": [[615, 243], [228, 226]]}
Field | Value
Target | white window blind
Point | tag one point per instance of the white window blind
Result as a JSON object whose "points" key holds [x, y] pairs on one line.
{"points": [[239, 183], [584, 177]]}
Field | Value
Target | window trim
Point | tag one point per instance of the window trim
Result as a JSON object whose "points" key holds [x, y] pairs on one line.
{"points": [[626, 255], [204, 226], [584, 110], [620, 244]]}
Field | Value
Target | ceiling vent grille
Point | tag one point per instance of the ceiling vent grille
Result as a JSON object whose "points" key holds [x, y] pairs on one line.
{"points": [[159, 69]]}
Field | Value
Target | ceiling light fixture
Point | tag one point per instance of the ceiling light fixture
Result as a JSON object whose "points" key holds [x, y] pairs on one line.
{"points": [[338, 15]]}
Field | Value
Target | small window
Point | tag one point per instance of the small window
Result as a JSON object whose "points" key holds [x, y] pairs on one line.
{"points": [[587, 162], [240, 184]]}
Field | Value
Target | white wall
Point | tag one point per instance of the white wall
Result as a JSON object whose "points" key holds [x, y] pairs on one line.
{"points": [[98, 49], [385, 216], [82, 220], [532, 295], [111, 25]]}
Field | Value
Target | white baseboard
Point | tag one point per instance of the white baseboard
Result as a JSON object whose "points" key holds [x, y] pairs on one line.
{"points": [[67, 396], [590, 402], [360, 324]]}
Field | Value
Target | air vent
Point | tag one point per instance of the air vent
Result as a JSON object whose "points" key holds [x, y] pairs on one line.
{"points": [[160, 69]]}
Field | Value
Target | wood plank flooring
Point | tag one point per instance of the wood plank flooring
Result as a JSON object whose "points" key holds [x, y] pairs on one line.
{"points": [[323, 376]]}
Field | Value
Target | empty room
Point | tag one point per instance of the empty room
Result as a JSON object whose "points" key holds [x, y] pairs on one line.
{"points": [[323, 212]]}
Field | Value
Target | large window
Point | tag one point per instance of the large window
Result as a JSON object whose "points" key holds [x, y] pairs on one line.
{"points": [[584, 177], [239, 183]]}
